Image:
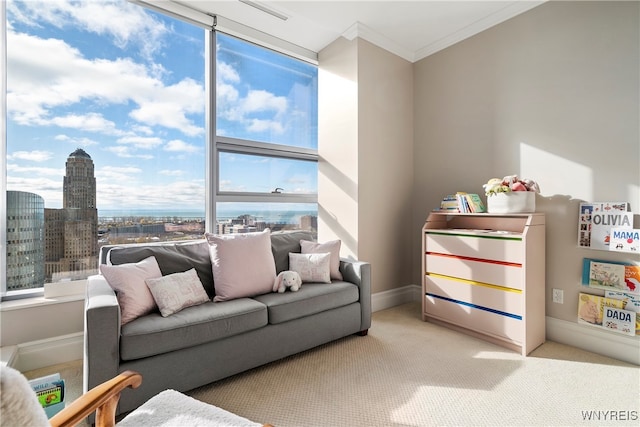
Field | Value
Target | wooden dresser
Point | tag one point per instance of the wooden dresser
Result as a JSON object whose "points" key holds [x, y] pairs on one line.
{"points": [[484, 274]]}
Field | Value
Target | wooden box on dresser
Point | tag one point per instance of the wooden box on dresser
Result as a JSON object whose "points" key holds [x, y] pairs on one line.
{"points": [[484, 275]]}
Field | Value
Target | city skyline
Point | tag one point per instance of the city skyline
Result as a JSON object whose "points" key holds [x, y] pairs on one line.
{"points": [[132, 93], [50, 245]]}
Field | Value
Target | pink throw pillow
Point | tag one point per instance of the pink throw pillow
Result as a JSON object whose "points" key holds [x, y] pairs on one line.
{"points": [[311, 267], [128, 280], [177, 291], [242, 264], [333, 247]]}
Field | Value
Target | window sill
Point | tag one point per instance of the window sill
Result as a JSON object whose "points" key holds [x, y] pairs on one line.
{"points": [[54, 293]]}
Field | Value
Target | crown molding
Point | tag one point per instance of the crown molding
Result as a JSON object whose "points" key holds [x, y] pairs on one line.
{"points": [[362, 31], [511, 10]]}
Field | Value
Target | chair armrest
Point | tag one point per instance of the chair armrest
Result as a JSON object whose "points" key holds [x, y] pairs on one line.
{"points": [[359, 273], [101, 333], [102, 400]]}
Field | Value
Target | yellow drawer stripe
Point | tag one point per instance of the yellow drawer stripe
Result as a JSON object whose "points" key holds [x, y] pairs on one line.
{"points": [[474, 283]]}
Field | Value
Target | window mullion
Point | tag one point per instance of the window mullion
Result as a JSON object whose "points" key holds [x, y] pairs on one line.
{"points": [[266, 197], [235, 145]]}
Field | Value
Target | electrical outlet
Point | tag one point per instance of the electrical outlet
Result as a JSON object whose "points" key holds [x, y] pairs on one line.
{"points": [[558, 296]]}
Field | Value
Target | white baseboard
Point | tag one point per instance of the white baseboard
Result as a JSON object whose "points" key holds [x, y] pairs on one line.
{"points": [[47, 352], [609, 344], [393, 297]]}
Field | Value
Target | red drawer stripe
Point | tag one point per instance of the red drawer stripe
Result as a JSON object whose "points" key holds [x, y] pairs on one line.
{"points": [[467, 258]]}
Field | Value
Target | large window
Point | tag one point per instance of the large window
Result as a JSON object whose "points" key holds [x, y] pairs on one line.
{"points": [[107, 140], [266, 138]]}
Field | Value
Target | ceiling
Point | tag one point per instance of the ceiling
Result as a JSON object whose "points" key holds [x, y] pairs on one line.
{"points": [[410, 29]]}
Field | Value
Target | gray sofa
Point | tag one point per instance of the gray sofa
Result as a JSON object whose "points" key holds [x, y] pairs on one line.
{"points": [[211, 341]]}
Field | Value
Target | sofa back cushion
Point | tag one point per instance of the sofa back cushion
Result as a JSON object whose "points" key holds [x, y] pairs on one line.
{"points": [[285, 242], [172, 257]]}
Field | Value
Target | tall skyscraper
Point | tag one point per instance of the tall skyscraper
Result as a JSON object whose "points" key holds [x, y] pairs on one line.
{"points": [[71, 233], [25, 240]]}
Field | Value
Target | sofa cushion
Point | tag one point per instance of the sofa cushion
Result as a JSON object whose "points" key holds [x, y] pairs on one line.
{"points": [[242, 264], [172, 257], [284, 242], [312, 298], [153, 334]]}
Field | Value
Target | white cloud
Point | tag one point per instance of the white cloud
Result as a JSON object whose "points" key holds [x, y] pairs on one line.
{"points": [[34, 156], [227, 73], [127, 24], [141, 142], [175, 195], [126, 152], [91, 122], [167, 172], [228, 185], [47, 188], [47, 74], [79, 142], [31, 170], [235, 108], [261, 100], [108, 174], [181, 147], [257, 125]]}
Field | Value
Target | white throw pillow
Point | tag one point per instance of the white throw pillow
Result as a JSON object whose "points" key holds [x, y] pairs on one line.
{"points": [[311, 267], [128, 280], [242, 264], [333, 247], [177, 291]]}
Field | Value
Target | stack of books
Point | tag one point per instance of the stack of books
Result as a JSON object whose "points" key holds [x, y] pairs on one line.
{"points": [[50, 392], [462, 202]]}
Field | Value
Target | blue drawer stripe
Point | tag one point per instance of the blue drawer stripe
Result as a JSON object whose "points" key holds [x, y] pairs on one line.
{"points": [[479, 307]]}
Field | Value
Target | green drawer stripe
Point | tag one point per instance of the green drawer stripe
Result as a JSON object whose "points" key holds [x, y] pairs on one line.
{"points": [[479, 236]]}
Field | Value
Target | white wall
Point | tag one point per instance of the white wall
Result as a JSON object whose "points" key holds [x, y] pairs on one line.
{"points": [[366, 150], [552, 95], [40, 321]]}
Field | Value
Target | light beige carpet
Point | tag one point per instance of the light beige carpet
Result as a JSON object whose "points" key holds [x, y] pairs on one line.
{"points": [[410, 373]]}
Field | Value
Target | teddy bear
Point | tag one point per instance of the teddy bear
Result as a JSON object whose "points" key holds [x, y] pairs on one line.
{"points": [[287, 279]]}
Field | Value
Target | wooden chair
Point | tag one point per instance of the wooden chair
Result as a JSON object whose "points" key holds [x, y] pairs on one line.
{"points": [[22, 406], [102, 399]]}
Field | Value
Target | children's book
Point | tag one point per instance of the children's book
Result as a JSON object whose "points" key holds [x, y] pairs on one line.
{"points": [[611, 276], [50, 391], [585, 222], [591, 308], [619, 320], [625, 240], [632, 303]]}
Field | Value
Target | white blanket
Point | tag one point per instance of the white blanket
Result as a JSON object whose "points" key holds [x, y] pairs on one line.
{"points": [[171, 409]]}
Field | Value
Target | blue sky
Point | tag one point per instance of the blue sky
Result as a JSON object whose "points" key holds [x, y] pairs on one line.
{"points": [[127, 85]]}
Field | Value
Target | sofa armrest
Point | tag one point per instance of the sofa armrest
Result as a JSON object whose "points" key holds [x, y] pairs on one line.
{"points": [[359, 273], [101, 333]]}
